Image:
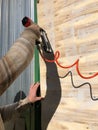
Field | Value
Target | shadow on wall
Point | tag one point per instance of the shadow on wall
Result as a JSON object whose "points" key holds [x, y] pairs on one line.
{"points": [[53, 93], [19, 95]]}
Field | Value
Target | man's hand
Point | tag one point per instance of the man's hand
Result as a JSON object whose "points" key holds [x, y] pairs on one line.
{"points": [[32, 93]]}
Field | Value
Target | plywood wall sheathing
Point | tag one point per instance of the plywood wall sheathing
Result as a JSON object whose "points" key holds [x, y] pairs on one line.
{"points": [[72, 27]]}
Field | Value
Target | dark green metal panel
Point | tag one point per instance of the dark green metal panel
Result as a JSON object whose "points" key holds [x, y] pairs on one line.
{"points": [[37, 69], [37, 78], [36, 111]]}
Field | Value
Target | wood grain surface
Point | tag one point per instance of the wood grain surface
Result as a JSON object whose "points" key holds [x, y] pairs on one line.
{"points": [[72, 27]]}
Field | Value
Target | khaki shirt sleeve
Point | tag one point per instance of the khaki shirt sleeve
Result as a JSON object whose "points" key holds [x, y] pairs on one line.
{"points": [[13, 110], [8, 111]]}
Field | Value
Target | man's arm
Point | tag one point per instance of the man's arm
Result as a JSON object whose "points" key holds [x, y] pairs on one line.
{"points": [[9, 111], [18, 57]]}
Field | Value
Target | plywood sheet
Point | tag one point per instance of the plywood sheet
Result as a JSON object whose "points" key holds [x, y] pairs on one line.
{"points": [[72, 27]]}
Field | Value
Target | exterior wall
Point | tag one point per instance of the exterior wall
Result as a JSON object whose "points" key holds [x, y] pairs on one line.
{"points": [[72, 27]]}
